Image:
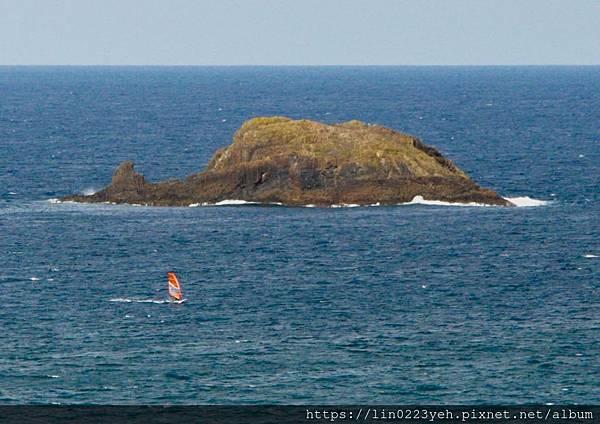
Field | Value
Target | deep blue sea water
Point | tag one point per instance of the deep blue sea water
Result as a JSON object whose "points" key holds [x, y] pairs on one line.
{"points": [[405, 304]]}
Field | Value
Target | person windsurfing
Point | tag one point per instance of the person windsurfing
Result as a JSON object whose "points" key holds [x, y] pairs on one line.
{"points": [[175, 293]]}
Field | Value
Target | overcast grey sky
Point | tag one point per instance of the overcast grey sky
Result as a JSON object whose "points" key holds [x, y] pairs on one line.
{"points": [[299, 32]]}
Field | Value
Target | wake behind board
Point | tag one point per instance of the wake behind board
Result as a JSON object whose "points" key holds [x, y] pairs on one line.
{"points": [[176, 301]]}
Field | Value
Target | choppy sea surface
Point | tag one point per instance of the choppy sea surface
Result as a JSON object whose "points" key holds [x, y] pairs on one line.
{"points": [[405, 304]]}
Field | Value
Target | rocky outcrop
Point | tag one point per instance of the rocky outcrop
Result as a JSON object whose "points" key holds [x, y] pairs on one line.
{"points": [[298, 162]]}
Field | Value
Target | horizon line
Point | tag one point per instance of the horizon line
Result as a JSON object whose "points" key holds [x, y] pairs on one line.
{"points": [[65, 65]]}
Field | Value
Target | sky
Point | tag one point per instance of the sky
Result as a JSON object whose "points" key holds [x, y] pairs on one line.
{"points": [[299, 32]]}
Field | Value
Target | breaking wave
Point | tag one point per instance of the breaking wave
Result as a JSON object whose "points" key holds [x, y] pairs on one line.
{"points": [[89, 191], [419, 200], [526, 201]]}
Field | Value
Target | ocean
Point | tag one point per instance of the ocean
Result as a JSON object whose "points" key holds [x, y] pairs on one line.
{"points": [[400, 304]]}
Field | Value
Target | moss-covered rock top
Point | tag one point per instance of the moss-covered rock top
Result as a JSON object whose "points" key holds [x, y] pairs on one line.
{"points": [[365, 145]]}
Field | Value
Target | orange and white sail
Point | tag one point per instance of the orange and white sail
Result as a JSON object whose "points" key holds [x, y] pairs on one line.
{"points": [[174, 287]]}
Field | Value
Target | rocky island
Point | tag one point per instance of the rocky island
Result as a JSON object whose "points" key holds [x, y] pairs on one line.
{"points": [[300, 162]]}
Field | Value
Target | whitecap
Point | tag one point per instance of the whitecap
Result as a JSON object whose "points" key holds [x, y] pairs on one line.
{"points": [[54, 200], [526, 201], [34, 279], [589, 256]]}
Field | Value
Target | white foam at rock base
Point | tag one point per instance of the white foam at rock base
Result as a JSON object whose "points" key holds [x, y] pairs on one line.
{"points": [[346, 205], [523, 201], [526, 201], [233, 202], [419, 200]]}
